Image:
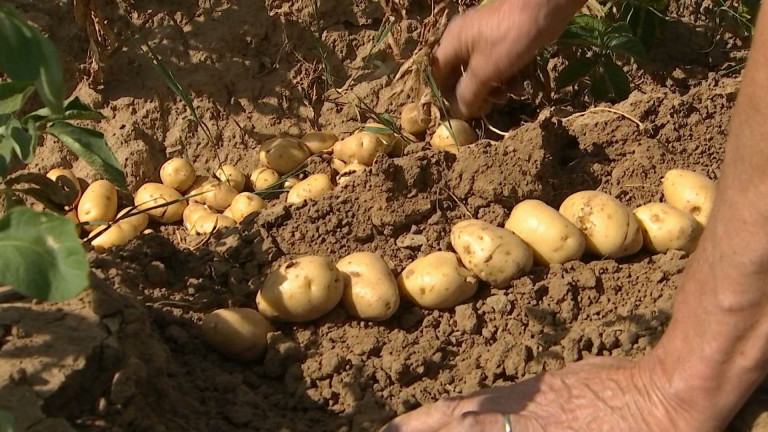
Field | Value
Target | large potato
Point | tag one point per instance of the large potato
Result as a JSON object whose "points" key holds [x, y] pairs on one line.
{"points": [[552, 238], [494, 254], [193, 212], [610, 227], [318, 142], [283, 154], [177, 173], [231, 175], [301, 290], [244, 204], [413, 120], [665, 227], [313, 187], [370, 289], [153, 194], [208, 223], [360, 147], [120, 233], [240, 334], [262, 178], [465, 135], [437, 281], [69, 183], [690, 192], [98, 203], [218, 195]]}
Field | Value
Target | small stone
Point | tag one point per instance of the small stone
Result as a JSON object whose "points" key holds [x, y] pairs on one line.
{"points": [[467, 320], [156, 273]]}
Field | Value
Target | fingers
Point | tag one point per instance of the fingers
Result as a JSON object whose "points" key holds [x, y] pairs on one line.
{"points": [[474, 421], [429, 418], [472, 93], [451, 54]]}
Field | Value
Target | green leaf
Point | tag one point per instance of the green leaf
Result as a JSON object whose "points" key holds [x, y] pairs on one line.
{"points": [[377, 130], [21, 140], [50, 86], [13, 94], [7, 422], [617, 80], [20, 57], [90, 146], [625, 44], [6, 151], [574, 71], [590, 22], [42, 255], [580, 36], [60, 191], [598, 86], [74, 109]]}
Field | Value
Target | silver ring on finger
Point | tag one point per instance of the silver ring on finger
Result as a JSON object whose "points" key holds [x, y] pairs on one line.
{"points": [[507, 423]]}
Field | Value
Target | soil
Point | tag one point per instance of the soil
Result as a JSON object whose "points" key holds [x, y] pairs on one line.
{"points": [[127, 355]]}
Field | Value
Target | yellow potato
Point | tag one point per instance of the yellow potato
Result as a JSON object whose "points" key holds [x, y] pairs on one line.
{"points": [[394, 143], [665, 227], [198, 186], [610, 228], [244, 204], [494, 254], [690, 192], [68, 182], [177, 173], [337, 165], [437, 281], [413, 120], [301, 290], [290, 182], [98, 203], [228, 213], [232, 176], [120, 233], [370, 289], [319, 142], [72, 215], [218, 195], [208, 223], [465, 135], [240, 334], [283, 154], [348, 172], [360, 147], [153, 194], [552, 238], [262, 178], [313, 187], [193, 212]]}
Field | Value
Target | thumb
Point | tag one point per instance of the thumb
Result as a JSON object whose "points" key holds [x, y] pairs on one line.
{"points": [[472, 93]]}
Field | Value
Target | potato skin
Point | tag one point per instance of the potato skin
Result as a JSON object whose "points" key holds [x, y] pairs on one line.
{"points": [[494, 254], [218, 195], [239, 334], [370, 289], [193, 212], [313, 187], [665, 227], [553, 239], [318, 142], [465, 135], [437, 281], [153, 194], [177, 173], [120, 233], [232, 176], [301, 290], [244, 204], [610, 228], [361, 147], [98, 203], [413, 120], [208, 223], [262, 178], [283, 154], [690, 192], [69, 182]]}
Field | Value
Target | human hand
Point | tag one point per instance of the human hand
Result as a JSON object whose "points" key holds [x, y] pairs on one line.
{"points": [[488, 45]]}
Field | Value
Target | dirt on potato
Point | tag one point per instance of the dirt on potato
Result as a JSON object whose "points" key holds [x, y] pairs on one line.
{"points": [[127, 354]]}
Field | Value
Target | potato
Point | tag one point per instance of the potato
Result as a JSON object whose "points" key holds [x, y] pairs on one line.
{"points": [[120, 233], [240, 334], [199, 185], [348, 172], [244, 204], [154, 194], [98, 203], [283, 154], [72, 215], [553, 239], [177, 173], [68, 182], [228, 213], [313, 187], [413, 120], [318, 142], [665, 227], [394, 143], [690, 192], [465, 135], [232, 176], [610, 228], [437, 281], [208, 223], [337, 164], [262, 178], [193, 212], [360, 147], [218, 195], [494, 254], [301, 290], [370, 289]]}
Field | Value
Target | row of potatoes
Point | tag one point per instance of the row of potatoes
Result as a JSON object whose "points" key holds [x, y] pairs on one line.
{"points": [[591, 222]]}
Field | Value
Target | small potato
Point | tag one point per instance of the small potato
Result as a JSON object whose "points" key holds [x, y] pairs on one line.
{"points": [[437, 281], [283, 154], [318, 142], [494, 254], [228, 213], [219, 195], [72, 215], [69, 183], [465, 135], [262, 178], [348, 172], [208, 223], [98, 203], [291, 182], [120, 233], [337, 164], [370, 289], [665, 227], [244, 204], [193, 212], [360, 147], [232, 176], [197, 186], [177, 173], [690, 192], [313, 187], [552, 238], [301, 290], [394, 143], [240, 334], [610, 228], [413, 120], [154, 194]]}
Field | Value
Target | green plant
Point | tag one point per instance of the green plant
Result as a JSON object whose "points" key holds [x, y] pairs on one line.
{"points": [[601, 42], [6, 421], [743, 13], [40, 252], [645, 18]]}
